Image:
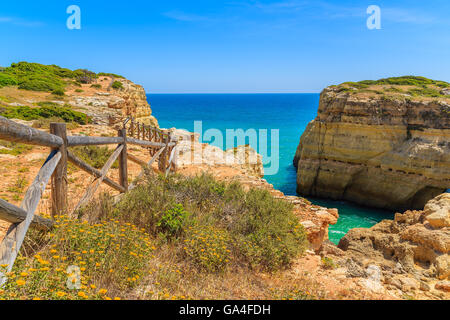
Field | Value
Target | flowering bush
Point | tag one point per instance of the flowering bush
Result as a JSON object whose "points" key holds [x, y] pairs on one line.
{"points": [[80, 261], [207, 247]]}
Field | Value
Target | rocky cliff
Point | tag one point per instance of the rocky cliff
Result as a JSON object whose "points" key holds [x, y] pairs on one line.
{"points": [[411, 251], [110, 106], [384, 146]]}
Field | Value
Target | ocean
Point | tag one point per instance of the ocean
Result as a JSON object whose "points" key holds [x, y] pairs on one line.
{"points": [[289, 113]]}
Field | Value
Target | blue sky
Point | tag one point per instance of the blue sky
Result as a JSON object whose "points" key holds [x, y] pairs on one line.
{"points": [[233, 46]]}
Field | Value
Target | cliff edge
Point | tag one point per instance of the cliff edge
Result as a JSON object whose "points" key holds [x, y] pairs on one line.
{"points": [[383, 143]]}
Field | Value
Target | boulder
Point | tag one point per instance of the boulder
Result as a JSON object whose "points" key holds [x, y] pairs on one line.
{"points": [[437, 211]]}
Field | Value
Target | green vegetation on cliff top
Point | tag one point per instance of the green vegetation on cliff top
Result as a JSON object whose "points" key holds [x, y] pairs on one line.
{"points": [[406, 81], [44, 110], [39, 77], [413, 86]]}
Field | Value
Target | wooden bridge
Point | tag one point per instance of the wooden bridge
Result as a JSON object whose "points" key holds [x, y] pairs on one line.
{"points": [[161, 146]]}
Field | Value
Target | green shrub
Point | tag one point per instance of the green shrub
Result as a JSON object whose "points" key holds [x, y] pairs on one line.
{"points": [[96, 85], [269, 234], [79, 90], [39, 77], [405, 81], [117, 85], [94, 155], [45, 110], [172, 221], [7, 80], [263, 231], [58, 92], [425, 92], [40, 84], [103, 74]]}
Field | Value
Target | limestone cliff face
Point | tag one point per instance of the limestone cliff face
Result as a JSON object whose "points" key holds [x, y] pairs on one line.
{"points": [[382, 152], [109, 106]]}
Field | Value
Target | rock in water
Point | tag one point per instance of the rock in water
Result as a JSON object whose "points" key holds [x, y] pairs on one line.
{"points": [[386, 151]]}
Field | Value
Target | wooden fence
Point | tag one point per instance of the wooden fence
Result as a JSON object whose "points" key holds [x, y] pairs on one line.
{"points": [[161, 146]]}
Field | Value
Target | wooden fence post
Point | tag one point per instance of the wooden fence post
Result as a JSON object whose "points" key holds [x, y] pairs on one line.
{"points": [[132, 128], [123, 164], [162, 165], [59, 177]]}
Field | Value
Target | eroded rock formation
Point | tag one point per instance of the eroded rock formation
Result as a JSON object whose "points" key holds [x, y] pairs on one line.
{"points": [[411, 251], [387, 152], [110, 107]]}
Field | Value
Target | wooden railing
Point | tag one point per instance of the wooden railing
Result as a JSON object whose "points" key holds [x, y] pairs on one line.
{"points": [[161, 146]]}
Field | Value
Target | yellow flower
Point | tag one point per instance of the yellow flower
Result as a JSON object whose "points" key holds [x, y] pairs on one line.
{"points": [[23, 274], [20, 282], [102, 291], [60, 294], [93, 286], [82, 294], [117, 298], [3, 265], [36, 298], [108, 298]]}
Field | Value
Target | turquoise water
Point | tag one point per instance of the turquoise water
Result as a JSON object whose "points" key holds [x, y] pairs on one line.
{"points": [[290, 113]]}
